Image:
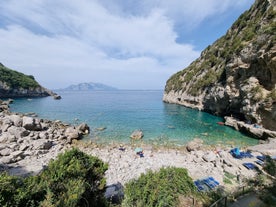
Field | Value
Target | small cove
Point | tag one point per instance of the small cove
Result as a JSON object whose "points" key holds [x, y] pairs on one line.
{"points": [[114, 115]]}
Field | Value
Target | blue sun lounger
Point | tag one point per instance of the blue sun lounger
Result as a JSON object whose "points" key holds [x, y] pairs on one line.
{"points": [[211, 182], [260, 162], [239, 155], [250, 166], [201, 187], [262, 158]]}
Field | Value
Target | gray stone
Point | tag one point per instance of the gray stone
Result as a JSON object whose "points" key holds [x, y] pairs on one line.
{"points": [[5, 152], [18, 131], [23, 147], [42, 144], [16, 154], [16, 119], [195, 144], [4, 137], [28, 122], [137, 134], [31, 123], [83, 128], [14, 146], [71, 133], [44, 135], [6, 160], [209, 157]]}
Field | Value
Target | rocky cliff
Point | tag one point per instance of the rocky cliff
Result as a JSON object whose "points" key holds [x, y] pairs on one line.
{"points": [[237, 74], [14, 84]]}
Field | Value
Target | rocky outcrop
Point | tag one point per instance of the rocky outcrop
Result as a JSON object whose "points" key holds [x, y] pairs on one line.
{"points": [[14, 84], [254, 130], [24, 138], [236, 76]]}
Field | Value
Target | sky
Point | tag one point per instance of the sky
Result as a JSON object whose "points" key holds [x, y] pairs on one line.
{"points": [[127, 44]]}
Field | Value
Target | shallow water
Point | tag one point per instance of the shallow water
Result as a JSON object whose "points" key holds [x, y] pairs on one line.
{"points": [[121, 112]]}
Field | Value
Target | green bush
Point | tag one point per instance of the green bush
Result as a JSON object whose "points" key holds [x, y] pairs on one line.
{"points": [[15, 79], [159, 189], [73, 179]]}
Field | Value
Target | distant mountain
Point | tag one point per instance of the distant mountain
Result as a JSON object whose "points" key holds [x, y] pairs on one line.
{"points": [[89, 87]]}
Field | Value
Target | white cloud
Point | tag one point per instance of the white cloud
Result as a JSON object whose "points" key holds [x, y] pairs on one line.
{"points": [[66, 41]]}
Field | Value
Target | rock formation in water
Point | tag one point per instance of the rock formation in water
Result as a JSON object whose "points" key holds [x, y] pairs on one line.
{"points": [[236, 75], [14, 84]]}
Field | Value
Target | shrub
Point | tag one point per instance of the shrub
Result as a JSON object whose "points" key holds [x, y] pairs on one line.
{"points": [[73, 179], [16, 79], [161, 188]]}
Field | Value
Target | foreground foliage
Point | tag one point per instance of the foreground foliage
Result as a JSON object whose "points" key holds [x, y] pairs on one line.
{"points": [[158, 189], [269, 195], [74, 179]]}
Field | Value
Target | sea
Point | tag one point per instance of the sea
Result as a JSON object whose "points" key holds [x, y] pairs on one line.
{"points": [[114, 115]]}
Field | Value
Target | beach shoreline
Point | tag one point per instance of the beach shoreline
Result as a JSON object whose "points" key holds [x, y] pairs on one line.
{"points": [[28, 151]]}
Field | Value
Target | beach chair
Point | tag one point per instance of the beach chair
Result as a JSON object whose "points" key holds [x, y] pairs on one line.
{"points": [[201, 187], [236, 153], [213, 180], [209, 183], [246, 154], [260, 162], [261, 157], [250, 166]]}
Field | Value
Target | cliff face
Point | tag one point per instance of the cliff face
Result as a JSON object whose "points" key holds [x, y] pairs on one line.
{"points": [[237, 74], [14, 84]]}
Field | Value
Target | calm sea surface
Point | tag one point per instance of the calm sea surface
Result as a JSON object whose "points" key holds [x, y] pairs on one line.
{"points": [[122, 112]]}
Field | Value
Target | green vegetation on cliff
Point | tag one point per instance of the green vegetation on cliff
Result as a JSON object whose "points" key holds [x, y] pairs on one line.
{"points": [[14, 79], [236, 75], [256, 26]]}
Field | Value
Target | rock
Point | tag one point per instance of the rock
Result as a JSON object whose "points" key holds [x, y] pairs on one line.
{"points": [[16, 119], [31, 123], [18, 131], [5, 152], [44, 135], [4, 137], [83, 128], [57, 97], [101, 128], [195, 144], [42, 144], [23, 147], [6, 160], [16, 154], [209, 157], [14, 146], [137, 134], [71, 133]]}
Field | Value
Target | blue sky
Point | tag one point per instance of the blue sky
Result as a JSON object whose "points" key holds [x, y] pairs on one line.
{"points": [[127, 44]]}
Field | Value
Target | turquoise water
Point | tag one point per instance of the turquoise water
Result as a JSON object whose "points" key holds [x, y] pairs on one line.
{"points": [[122, 112]]}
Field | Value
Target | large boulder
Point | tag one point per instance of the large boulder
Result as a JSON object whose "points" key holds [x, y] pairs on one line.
{"points": [[42, 144], [72, 133], [31, 123], [137, 134], [83, 128], [209, 156], [16, 119], [18, 132], [194, 145]]}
